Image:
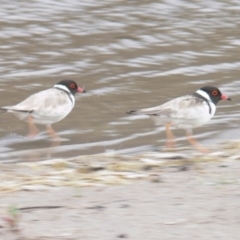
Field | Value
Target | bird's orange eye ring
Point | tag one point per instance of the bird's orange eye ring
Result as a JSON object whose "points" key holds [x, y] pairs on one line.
{"points": [[72, 85], [214, 93]]}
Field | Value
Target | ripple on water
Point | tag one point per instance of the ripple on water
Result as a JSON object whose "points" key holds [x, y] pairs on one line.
{"points": [[128, 55]]}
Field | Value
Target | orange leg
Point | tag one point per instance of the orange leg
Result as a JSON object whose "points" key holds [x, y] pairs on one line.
{"points": [[33, 130], [56, 140], [170, 137], [195, 143], [52, 133]]}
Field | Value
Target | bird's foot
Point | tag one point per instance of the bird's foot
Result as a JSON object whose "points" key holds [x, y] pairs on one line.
{"points": [[32, 134], [202, 149], [170, 144]]}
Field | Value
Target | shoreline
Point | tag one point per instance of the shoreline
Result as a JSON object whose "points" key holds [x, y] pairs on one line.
{"points": [[152, 196]]}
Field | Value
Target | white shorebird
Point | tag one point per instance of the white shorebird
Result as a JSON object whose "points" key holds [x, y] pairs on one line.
{"points": [[46, 107], [186, 112]]}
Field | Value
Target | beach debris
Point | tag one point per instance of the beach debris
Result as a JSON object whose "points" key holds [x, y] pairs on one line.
{"points": [[12, 218], [107, 169]]}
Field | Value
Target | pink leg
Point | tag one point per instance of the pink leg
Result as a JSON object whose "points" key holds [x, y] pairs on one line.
{"points": [[33, 130], [195, 143], [170, 137], [52, 133], [54, 136]]}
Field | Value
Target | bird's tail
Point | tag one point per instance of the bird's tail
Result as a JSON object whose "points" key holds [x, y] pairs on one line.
{"points": [[134, 112], [9, 109], [2, 111]]}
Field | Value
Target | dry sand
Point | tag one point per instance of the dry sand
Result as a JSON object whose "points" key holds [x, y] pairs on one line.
{"points": [[197, 201]]}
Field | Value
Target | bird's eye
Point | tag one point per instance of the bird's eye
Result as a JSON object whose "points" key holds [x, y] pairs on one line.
{"points": [[72, 85], [214, 93]]}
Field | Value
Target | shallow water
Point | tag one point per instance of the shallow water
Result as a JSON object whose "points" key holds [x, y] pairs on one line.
{"points": [[128, 55]]}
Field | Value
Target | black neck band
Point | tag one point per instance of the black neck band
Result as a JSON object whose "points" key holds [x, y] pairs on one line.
{"points": [[204, 99], [67, 92]]}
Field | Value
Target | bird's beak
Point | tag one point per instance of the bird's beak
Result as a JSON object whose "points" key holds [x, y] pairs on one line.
{"points": [[225, 97], [81, 90]]}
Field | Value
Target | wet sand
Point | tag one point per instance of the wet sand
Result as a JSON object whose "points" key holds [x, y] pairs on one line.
{"points": [[185, 199]]}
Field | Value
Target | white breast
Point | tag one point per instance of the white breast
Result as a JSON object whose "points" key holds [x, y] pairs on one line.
{"points": [[47, 107], [185, 112]]}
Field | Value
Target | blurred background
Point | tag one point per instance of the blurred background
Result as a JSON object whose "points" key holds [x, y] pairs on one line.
{"points": [[128, 55]]}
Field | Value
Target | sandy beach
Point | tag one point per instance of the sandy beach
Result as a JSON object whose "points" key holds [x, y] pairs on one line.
{"points": [[183, 199]]}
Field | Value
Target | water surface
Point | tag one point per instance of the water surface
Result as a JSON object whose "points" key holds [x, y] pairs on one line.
{"points": [[128, 55]]}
